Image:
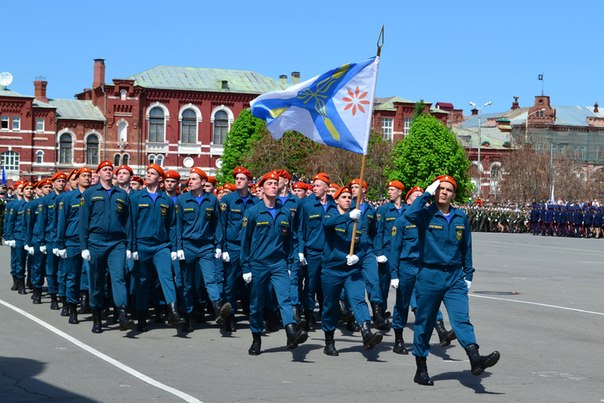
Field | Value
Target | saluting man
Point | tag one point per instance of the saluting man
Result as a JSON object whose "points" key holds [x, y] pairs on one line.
{"points": [[104, 217], [266, 252]]}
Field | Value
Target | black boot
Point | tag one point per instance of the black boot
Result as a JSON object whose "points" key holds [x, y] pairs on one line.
{"points": [[15, 285], [399, 344], [378, 317], [309, 315], [444, 336], [54, 302], [230, 324], [370, 339], [64, 308], [160, 314], [330, 345], [201, 314], [97, 326], [297, 313], [421, 375], [295, 335], [222, 311], [122, 318], [173, 317], [73, 314], [37, 296], [85, 302], [141, 319], [187, 326], [481, 362], [345, 314], [21, 286], [256, 343]]}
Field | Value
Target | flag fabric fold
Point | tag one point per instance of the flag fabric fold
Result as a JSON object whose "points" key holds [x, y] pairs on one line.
{"points": [[334, 108]]}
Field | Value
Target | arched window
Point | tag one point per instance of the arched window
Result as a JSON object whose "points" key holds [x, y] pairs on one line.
{"points": [[496, 172], [159, 160], [151, 158], [221, 127], [117, 160], [122, 132], [156, 125], [65, 149], [10, 160], [39, 157], [92, 150], [125, 159], [188, 127]]}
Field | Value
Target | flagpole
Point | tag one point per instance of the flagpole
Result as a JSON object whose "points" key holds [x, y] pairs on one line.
{"points": [[380, 43]]}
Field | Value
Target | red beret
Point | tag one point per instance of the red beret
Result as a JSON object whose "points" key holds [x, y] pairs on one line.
{"points": [[242, 170], [343, 189], [173, 175], [284, 174], [270, 175], [357, 181], [45, 182], [126, 167], [17, 183], [137, 179], [72, 173], [413, 189], [335, 186], [230, 186], [200, 172], [322, 176], [81, 171], [159, 169], [212, 180], [26, 184], [300, 185], [447, 178], [58, 175], [397, 184], [104, 164]]}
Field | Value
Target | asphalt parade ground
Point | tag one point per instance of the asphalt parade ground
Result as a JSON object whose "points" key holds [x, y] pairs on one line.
{"points": [[538, 300]]}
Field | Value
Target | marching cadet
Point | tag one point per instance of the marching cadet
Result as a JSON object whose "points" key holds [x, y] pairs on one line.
{"points": [[232, 207], [68, 240], [9, 235], [136, 183], [385, 215], [18, 232], [46, 227], [446, 274], [367, 223], [210, 185], [266, 252], [104, 216], [299, 190], [342, 270], [153, 243], [311, 243], [123, 175], [333, 188], [172, 185], [198, 239]]}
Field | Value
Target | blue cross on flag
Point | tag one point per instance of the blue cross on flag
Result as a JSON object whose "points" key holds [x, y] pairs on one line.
{"points": [[334, 108]]}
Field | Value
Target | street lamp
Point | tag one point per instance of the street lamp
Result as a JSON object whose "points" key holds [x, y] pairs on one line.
{"points": [[473, 104], [526, 124]]}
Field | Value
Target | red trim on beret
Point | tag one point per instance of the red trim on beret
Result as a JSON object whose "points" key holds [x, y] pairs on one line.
{"points": [[447, 178]]}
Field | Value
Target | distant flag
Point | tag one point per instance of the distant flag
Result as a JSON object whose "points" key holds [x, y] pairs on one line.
{"points": [[540, 77], [334, 108], [3, 176]]}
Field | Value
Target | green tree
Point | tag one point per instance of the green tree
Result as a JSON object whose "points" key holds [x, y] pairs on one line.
{"points": [[419, 108], [430, 149], [240, 142]]}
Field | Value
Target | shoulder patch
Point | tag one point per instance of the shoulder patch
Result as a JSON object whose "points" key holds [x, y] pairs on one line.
{"points": [[393, 231], [243, 222], [81, 201], [378, 217], [223, 206]]}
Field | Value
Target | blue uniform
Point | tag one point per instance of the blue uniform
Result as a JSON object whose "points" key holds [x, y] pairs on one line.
{"points": [[336, 274], [104, 218], [199, 234], [153, 237], [35, 239], [17, 231], [233, 208], [292, 203], [446, 255], [267, 252], [385, 217], [7, 231], [46, 226]]}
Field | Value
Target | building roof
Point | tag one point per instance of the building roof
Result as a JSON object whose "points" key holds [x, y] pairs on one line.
{"points": [[76, 110], [206, 79], [467, 133], [6, 92], [387, 104]]}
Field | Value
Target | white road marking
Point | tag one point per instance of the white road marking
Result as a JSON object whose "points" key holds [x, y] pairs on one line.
{"points": [[184, 396], [538, 304]]}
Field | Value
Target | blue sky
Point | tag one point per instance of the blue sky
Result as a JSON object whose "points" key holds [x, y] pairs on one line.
{"points": [[437, 51]]}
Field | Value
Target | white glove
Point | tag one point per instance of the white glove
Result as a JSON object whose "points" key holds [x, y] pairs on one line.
{"points": [[26, 247], [247, 277], [30, 250], [128, 255], [43, 249], [55, 251], [134, 255], [381, 259], [11, 243], [180, 254], [226, 257], [355, 214], [62, 253], [173, 255], [302, 259], [432, 188], [468, 283], [351, 260], [394, 283], [85, 254], [218, 253]]}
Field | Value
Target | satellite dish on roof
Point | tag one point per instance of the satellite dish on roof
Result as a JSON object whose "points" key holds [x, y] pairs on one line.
{"points": [[6, 78]]}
